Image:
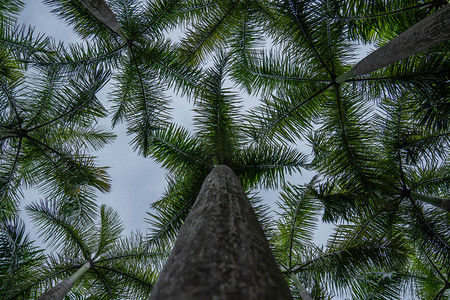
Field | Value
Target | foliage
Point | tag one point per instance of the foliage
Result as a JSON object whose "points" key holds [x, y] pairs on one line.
{"points": [[379, 141]]}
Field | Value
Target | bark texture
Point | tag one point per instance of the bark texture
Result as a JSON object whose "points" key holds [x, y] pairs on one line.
{"points": [[436, 201], [429, 32], [103, 13], [58, 292], [305, 295], [444, 204], [221, 251]]}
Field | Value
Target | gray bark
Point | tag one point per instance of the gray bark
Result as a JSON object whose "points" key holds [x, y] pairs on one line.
{"points": [[436, 201], [429, 32], [58, 292], [101, 10], [305, 295], [221, 251]]}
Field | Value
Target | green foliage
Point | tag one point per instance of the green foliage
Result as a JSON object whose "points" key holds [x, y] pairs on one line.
{"points": [[220, 139], [119, 266], [379, 142]]}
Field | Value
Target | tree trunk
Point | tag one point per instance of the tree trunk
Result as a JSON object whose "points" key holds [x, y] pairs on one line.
{"points": [[221, 251], [429, 32], [304, 294], [436, 201], [101, 10], [59, 291]]}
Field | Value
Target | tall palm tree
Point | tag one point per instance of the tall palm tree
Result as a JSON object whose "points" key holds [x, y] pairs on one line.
{"points": [[221, 251], [342, 110], [128, 37], [219, 140], [350, 262], [91, 256], [429, 32], [408, 161], [47, 124]]}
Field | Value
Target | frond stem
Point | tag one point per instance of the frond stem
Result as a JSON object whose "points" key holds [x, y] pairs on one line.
{"points": [[316, 52], [286, 114]]}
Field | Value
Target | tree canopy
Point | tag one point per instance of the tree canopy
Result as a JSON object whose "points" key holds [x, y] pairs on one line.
{"points": [[379, 139]]}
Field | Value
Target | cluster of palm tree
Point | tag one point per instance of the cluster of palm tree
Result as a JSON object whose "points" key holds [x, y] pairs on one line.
{"points": [[379, 133]]}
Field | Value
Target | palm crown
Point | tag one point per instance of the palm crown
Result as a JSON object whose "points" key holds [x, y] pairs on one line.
{"points": [[220, 139], [379, 140], [117, 266]]}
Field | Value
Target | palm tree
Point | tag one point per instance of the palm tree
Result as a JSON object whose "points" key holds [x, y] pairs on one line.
{"points": [[19, 257], [221, 251], [91, 256], [47, 124], [128, 37], [300, 90], [219, 140], [341, 111], [350, 264], [429, 32]]}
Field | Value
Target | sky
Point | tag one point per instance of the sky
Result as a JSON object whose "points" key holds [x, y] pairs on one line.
{"points": [[136, 181]]}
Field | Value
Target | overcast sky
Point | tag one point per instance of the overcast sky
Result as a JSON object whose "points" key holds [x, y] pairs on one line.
{"points": [[136, 181]]}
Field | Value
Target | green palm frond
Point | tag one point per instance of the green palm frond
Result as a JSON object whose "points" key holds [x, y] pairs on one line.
{"points": [[108, 231], [430, 285], [47, 125], [423, 74], [179, 151], [371, 21], [163, 57], [304, 28], [215, 27], [296, 224], [21, 42], [79, 57], [172, 209], [76, 14], [60, 231], [343, 267], [217, 121], [9, 11], [429, 234], [342, 146], [341, 203], [244, 44], [130, 264], [287, 115], [19, 255], [267, 165], [431, 180], [140, 102]]}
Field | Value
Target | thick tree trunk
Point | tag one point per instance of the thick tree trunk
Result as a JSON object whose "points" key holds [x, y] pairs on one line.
{"points": [[429, 32], [59, 291], [436, 201], [221, 251], [101, 10]]}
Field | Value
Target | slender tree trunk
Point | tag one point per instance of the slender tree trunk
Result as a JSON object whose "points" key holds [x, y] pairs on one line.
{"points": [[221, 251], [59, 291], [436, 201], [429, 32], [303, 291], [101, 10]]}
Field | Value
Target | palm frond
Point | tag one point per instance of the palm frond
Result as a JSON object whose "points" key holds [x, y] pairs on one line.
{"points": [[108, 231], [179, 151], [19, 255], [172, 209], [217, 118], [267, 165], [59, 230]]}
